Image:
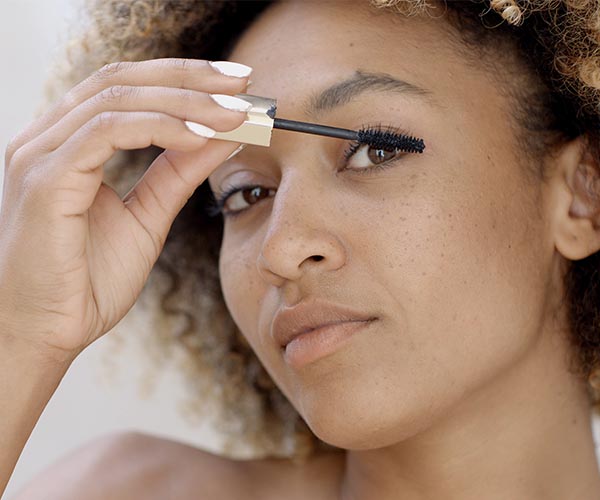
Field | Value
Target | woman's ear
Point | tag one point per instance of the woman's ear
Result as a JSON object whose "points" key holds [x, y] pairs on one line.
{"points": [[575, 200]]}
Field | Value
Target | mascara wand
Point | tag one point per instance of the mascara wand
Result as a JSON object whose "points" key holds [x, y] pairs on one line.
{"points": [[379, 140], [261, 121]]}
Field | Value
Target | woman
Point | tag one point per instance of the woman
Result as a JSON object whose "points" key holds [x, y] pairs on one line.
{"points": [[464, 280]]}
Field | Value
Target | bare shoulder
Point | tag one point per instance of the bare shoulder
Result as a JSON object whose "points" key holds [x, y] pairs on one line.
{"points": [[127, 464]]}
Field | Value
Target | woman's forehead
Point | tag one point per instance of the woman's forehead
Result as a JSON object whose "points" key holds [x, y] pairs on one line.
{"points": [[298, 49], [334, 31]]}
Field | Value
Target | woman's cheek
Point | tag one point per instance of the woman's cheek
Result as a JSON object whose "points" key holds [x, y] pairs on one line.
{"points": [[239, 281]]}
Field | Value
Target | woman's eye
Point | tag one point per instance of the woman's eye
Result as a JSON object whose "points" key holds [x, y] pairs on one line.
{"points": [[366, 156], [360, 157], [244, 197]]}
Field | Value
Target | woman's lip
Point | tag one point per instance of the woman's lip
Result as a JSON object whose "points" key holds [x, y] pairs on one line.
{"points": [[289, 322], [321, 327], [321, 342]]}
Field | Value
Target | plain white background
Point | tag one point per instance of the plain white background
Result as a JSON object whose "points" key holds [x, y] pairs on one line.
{"points": [[101, 391], [104, 389]]}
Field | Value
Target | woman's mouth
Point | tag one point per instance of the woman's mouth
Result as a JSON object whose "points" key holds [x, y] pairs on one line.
{"points": [[320, 342]]}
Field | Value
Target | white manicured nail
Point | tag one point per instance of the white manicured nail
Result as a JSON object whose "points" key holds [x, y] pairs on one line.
{"points": [[200, 129], [231, 68], [242, 146], [230, 102]]}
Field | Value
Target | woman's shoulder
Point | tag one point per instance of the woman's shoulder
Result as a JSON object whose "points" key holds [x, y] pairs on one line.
{"points": [[128, 465]]}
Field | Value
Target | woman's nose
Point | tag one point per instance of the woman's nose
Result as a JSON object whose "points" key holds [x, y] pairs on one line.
{"points": [[301, 235]]}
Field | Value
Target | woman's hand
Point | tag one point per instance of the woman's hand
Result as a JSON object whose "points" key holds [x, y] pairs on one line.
{"points": [[74, 256]]}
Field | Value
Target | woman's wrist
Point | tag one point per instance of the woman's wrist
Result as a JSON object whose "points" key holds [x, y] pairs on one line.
{"points": [[48, 359], [29, 376], [17, 340]]}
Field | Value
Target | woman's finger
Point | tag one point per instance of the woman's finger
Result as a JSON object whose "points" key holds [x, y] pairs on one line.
{"points": [[73, 167], [193, 74], [186, 104], [163, 190]]}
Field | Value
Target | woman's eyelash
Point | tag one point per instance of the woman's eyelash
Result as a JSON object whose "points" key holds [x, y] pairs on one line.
{"points": [[376, 136], [386, 138], [214, 206]]}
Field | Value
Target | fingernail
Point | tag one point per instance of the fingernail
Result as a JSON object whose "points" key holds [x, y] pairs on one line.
{"points": [[230, 102], [229, 68], [200, 129], [249, 83], [235, 152]]}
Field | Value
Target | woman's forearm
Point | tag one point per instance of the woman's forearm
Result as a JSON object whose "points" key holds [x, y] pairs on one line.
{"points": [[28, 379]]}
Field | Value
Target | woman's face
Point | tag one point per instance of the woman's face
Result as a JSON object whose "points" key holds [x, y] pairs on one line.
{"points": [[448, 248]]}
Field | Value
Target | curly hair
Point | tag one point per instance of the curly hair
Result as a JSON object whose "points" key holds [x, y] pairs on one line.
{"points": [[182, 305]]}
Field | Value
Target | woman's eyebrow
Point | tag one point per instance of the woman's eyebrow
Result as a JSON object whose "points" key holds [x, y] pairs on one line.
{"points": [[342, 93]]}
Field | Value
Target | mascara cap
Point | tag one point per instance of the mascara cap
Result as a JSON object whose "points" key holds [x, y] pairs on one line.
{"points": [[258, 125]]}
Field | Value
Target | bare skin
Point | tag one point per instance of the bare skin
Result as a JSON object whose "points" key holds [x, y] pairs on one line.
{"points": [[133, 465], [469, 400]]}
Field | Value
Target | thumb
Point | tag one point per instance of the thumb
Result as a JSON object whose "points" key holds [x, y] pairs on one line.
{"points": [[164, 189]]}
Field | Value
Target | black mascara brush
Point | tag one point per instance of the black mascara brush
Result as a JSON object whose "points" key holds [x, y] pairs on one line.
{"points": [[261, 121], [403, 143]]}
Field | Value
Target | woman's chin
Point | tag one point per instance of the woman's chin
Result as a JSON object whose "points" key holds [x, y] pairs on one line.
{"points": [[354, 428]]}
